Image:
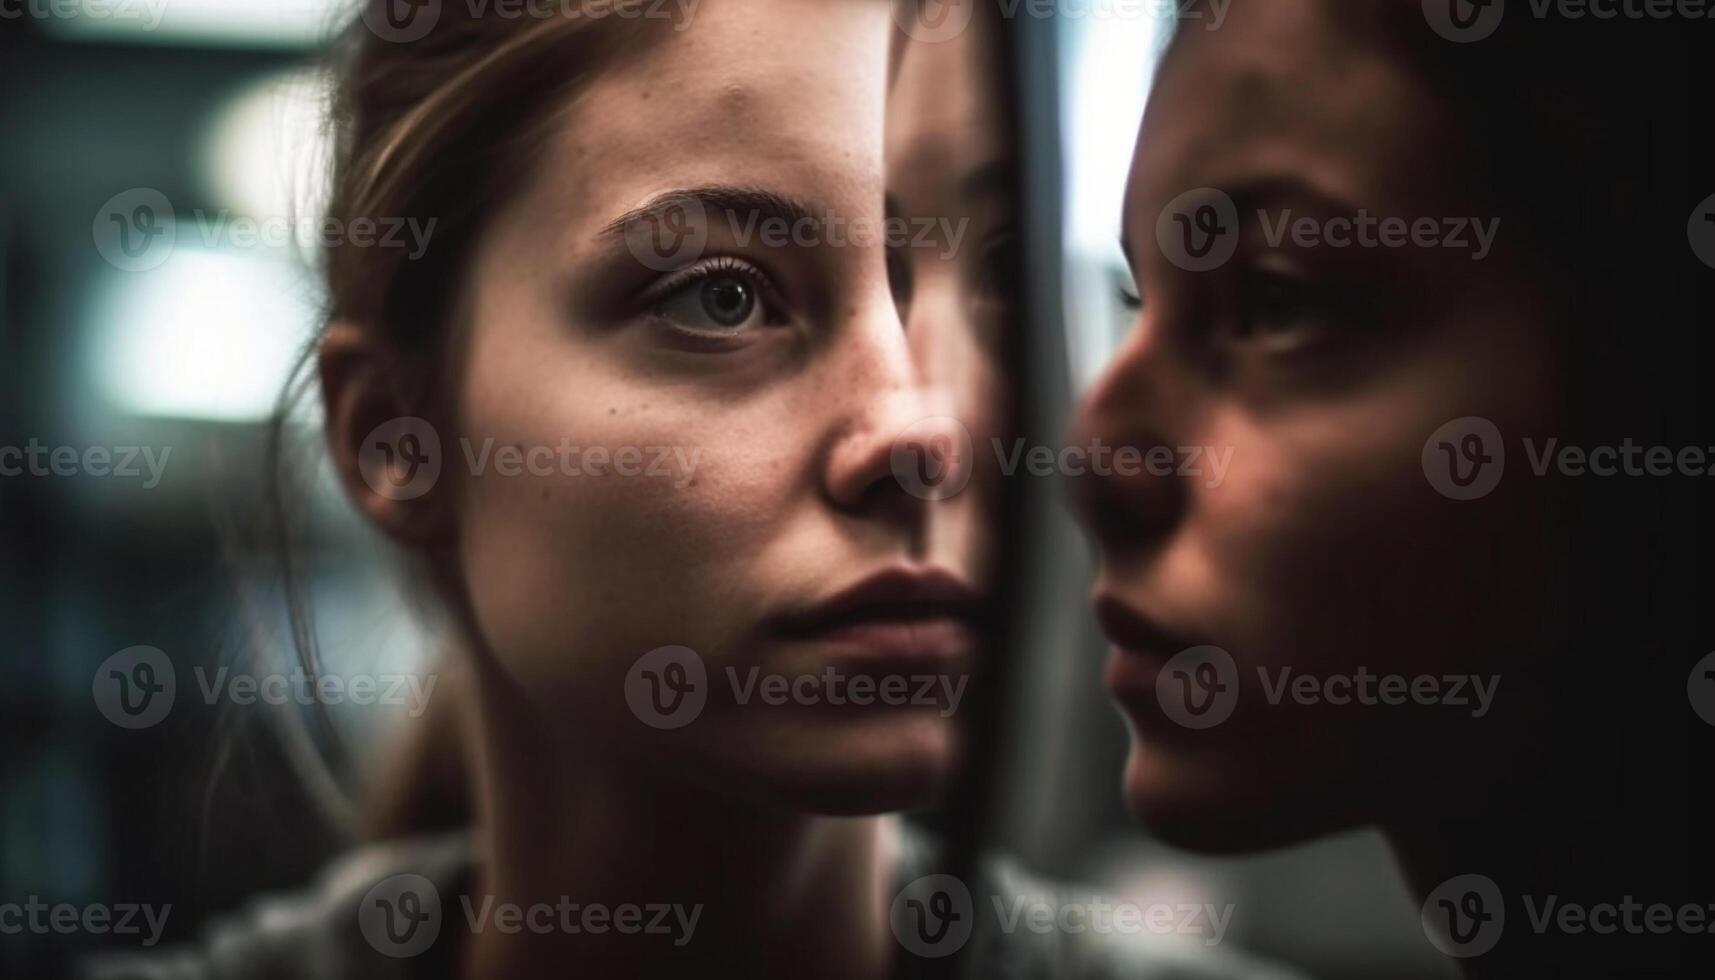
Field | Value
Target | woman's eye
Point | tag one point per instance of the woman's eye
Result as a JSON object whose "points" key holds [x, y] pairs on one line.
{"points": [[721, 301], [1125, 288], [1282, 314], [1000, 269], [717, 303]]}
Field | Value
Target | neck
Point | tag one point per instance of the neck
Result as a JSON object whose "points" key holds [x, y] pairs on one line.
{"points": [[1578, 856], [719, 886]]}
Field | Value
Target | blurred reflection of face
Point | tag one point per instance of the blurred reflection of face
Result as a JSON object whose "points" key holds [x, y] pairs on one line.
{"points": [[780, 374], [950, 172], [1324, 550]]}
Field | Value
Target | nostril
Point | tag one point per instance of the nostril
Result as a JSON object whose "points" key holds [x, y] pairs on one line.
{"points": [[933, 458], [1125, 503]]}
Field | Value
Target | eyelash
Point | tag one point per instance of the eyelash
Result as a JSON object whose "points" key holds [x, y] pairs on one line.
{"points": [[1302, 307], [1310, 311], [719, 266]]}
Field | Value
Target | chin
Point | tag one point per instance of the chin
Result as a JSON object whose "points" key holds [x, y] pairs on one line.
{"points": [[884, 764], [1223, 805]]}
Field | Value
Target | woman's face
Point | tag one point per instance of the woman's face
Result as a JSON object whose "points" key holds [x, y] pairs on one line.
{"points": [[949, 165], [1323, 550], [697, 269]]}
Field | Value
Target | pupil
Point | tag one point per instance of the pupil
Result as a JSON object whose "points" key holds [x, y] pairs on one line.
{"points": [[727, 301]]}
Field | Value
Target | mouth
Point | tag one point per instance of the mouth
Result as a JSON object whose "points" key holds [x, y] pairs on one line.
{"points": [[1141, 647], [902, 616]]}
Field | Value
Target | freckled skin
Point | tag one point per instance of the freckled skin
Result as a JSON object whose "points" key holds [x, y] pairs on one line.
{"points": [[780, 430], [567, 591]]}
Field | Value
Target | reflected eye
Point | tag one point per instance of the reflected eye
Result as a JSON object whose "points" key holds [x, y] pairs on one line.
{"points": [[1281, 313], [1130, 297], [1002, 262], [719, 297]]}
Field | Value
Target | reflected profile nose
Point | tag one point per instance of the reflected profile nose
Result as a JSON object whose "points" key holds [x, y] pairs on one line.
{"points": [[1130, 504]]}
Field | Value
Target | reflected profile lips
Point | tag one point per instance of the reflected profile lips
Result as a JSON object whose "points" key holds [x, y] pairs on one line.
{"points": [[1141, 647], [900, 614]]}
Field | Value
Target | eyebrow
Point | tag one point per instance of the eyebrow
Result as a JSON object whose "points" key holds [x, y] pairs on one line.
{"points": [[1277, 190], [1271, 191], [728, 199], [996, 178]]}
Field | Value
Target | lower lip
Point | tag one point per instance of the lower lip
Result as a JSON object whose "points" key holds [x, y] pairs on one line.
{"points": [[937, 640], [1131, 674]]}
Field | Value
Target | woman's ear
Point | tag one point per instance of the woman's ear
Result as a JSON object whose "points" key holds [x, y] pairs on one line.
{"points": [[389, 458]]}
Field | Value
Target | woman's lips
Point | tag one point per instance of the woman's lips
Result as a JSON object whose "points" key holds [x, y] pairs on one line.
{"points": [[899, 616], [937, 637], [1141, 648]]}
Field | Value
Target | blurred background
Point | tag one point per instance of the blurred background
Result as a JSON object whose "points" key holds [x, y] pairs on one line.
{"points": [[159, 197], [159, 163]]}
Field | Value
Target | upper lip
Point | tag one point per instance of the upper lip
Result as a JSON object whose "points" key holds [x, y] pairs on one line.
{"points": [[892, 595], [1135, 632]]}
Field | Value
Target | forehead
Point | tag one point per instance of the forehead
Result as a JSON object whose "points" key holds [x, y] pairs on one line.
{"points": [[946, 111], [1292, 88], [782, 94]]}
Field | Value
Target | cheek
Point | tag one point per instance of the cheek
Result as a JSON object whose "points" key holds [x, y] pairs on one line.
{"points": [[576, 569], [1328, 548]]}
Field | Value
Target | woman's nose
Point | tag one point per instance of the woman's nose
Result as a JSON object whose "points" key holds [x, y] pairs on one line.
{"points": [[905, 449], [900, 442], [1127, 418]]}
